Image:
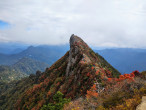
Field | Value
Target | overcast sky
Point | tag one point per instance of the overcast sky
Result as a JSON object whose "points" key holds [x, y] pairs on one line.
{"points": [[101, 23]]}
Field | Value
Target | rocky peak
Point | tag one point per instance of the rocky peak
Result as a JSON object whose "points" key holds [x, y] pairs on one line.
{"points": [[74, 39], [76, 53], [81, 54], [77, 41]]}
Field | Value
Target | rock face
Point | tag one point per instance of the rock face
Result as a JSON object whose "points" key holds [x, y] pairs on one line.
{"points": [[75, 52], [73, 75], [81, 53]]}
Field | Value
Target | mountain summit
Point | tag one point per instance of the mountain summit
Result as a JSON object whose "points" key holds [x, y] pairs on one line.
{"points": [[75, 39], [73, 75], [80, 53], [78, 48]]}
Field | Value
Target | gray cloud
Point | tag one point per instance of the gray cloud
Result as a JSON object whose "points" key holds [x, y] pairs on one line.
{"points": [[106, 23]]}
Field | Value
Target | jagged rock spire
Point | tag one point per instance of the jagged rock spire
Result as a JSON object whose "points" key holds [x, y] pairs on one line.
{"points": [[77, 46], [74, 39]]}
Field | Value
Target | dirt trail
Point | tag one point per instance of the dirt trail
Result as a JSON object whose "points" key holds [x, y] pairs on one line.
{"points": [[142, 106]]}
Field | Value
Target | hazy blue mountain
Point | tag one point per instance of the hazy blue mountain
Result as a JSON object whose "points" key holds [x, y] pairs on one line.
{"points": [[12, 47], [125, 60], [44, 53]]}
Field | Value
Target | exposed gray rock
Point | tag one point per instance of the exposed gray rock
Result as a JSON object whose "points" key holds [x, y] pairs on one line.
{"points": [[73, 54]]}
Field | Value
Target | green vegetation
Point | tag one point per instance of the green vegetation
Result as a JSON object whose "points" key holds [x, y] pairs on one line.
{"points": [[58, 104], [29, 66], [10, 92], [8, 74], [22, 68]]}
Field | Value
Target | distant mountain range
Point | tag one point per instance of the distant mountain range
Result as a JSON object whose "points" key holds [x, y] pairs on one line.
{"points": [[20, 69], [47, 54], [12, 47], [28, 61], [123, 59]]}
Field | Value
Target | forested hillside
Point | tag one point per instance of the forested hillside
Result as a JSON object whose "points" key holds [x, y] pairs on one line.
{"points": [[20, 69]]}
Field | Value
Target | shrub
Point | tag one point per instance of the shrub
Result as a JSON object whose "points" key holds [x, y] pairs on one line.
{"points": [[58, 103], [143, 74], [92, 92], [114, 99], [75, 105]]}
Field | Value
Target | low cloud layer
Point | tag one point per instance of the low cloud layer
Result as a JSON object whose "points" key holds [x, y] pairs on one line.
{"points": [[102, 23]]}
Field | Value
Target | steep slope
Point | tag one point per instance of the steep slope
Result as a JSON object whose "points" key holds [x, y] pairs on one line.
{"points": [[22, 68], [73, 75]]}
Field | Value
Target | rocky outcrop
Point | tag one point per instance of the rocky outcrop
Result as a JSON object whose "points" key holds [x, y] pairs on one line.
{"points": [[75, 53]]}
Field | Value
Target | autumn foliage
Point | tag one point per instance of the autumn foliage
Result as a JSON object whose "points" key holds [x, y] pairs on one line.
{"points": [[92, 93], [120, 93], [129, 77]]}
